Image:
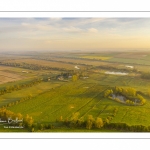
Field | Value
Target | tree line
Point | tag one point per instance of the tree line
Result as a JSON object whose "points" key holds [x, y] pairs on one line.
{"points": [[127, 128], [18, 101], [75, 122], [10, 89], [30, 66]]}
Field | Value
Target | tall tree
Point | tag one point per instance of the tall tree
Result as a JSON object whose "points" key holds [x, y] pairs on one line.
{"points": [[90, 122], [99, 123]]}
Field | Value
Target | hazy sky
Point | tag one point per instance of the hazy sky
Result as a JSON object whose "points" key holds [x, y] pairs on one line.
{"points": [[74, 33]]}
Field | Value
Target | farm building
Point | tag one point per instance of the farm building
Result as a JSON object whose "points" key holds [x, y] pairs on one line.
{"points": [[130, 67], [60, 78], [24, 71]]}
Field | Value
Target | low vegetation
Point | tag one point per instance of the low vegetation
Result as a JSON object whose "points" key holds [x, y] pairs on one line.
{"points": [[70, 92]]}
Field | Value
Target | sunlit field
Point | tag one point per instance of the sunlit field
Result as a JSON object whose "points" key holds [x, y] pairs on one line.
{"points": [[54, 90]]}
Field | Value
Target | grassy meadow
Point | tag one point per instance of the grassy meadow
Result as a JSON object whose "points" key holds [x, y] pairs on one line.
{"points": [[54, 100], [85, 97]]}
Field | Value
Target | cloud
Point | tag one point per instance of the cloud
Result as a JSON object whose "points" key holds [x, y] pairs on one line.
{"points": [[65, 31], [72, 29], [92, 30], [25, 24]]}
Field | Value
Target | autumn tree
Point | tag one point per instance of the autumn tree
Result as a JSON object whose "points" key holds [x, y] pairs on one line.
{"points": [[74, 78], [131, 91], [107, 121], [107, 93], [28, 120], [74, 119], [99, 123], [80, 122], [90, 122]]}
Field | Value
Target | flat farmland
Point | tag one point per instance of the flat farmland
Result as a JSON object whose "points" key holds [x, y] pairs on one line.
{"points": [[15, 75], [133, 55], [78, 61], [25, 92], [118, 59], [129, 61], [44, 63], [117, 62], [54, 98], [7, 76], [61, 101], [86, 97], [95, 57]]}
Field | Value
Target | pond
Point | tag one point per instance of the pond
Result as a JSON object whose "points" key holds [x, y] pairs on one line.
{"points": [[123, 98], [120, 97], [116, 73]]}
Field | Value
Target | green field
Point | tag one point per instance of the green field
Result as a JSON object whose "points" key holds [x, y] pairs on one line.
{"points": [[52, 100], [32, 91], [96, 57], [130, 61], [76, 97]]}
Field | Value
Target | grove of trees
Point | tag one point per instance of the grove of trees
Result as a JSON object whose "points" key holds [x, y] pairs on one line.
{"points": [[90, 122], [132, 97], [27, 121]]}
